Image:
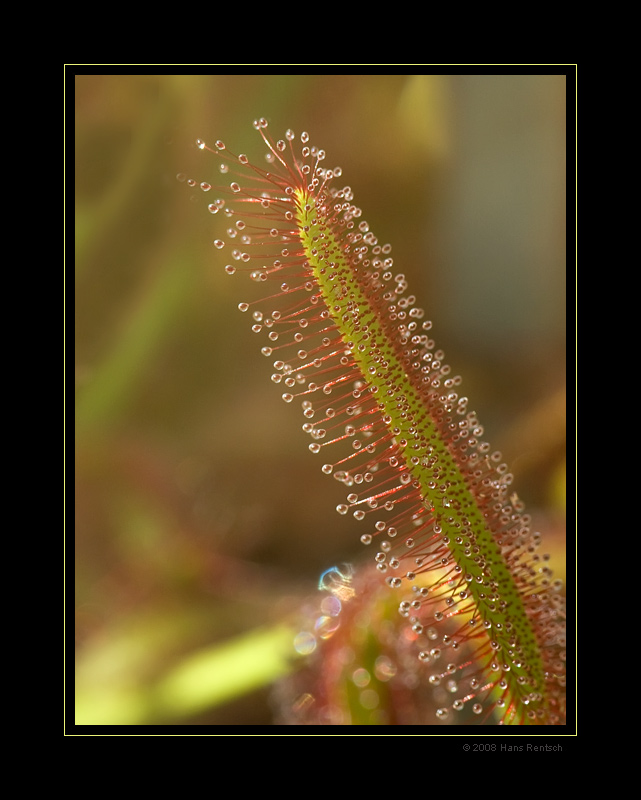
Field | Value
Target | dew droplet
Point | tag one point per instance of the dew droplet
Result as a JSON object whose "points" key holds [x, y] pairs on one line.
{"points": [[304, 643], [326, 626], [384, 668], [361, 677]]}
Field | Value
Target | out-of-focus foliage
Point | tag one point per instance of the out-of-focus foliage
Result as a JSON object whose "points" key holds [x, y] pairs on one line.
{"points": [[195, 543]]}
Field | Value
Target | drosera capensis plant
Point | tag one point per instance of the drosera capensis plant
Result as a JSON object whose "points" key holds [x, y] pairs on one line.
{"points": [[388, 420]]}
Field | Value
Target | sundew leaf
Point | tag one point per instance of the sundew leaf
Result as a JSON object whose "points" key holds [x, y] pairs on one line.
{"points": [[350, 344]]}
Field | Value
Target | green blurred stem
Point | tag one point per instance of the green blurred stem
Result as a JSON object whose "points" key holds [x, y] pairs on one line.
{"points": [[107, 391], [202, 681]]}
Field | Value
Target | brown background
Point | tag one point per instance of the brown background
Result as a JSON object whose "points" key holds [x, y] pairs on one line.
{"points": [[200, 513]]}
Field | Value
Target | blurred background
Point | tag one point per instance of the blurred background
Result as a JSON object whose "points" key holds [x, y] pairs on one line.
{"points": [[202, 520]]}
